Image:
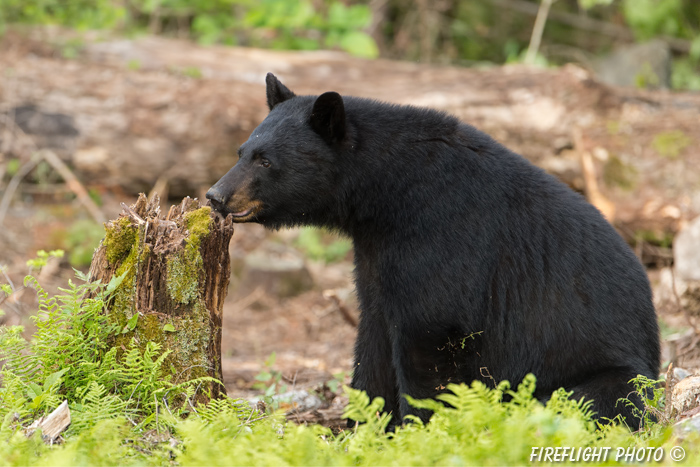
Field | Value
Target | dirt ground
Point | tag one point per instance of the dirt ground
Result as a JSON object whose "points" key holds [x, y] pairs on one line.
{"points": [[311, 339]]}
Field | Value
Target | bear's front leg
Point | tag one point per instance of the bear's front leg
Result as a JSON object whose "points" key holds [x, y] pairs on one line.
{"points": [[374, 370], [425, 364]]}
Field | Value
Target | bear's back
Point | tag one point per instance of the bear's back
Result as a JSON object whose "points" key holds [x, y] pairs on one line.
{"points": [[479, 228]]}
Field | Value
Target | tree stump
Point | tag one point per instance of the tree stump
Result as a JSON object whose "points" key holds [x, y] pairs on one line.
{"points": [[176, 272]]}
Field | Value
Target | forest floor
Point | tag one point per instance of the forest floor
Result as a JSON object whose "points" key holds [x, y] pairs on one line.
{"points": [[270, 344]]}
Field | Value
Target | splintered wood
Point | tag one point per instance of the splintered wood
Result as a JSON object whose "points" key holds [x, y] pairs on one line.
{"points": [[52, 425], [175, 271]]}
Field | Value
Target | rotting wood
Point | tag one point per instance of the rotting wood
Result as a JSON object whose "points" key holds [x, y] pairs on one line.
{"points": [[52, 425], [176, 273]]}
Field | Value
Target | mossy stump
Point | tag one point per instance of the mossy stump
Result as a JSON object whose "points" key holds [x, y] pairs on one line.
{"points": [[176, 272]]}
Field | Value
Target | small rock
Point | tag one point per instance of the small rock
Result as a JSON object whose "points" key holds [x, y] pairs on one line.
{"points": [[685, 395], [687, 426], [639, 65], [678, 292], [680, 373], [668, 287], [48, 130], [686, 251], [298, 400], [278, 269], [91, 160]]}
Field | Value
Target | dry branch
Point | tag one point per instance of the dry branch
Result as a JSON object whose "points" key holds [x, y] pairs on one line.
{"points": [[73, 184], [54, 161]]}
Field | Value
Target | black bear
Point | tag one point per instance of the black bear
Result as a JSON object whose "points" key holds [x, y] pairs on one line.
{"points": [[470, 262]]}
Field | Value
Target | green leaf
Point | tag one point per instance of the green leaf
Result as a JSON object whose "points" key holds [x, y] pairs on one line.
{"points": [[360, 44], [169, 328], [34, 390], [345, 18], [131, 324], [53, 378], [6, 288], [81, 275], [586, 4], [333, 385], [36, 263], [37, 401], [57, 253], [115, 282]]}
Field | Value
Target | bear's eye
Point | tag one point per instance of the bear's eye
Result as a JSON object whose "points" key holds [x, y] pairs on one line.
{"points": [[265, 163]]}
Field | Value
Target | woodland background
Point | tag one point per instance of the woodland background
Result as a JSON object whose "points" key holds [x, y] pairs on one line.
{"points": [[103, 99]]}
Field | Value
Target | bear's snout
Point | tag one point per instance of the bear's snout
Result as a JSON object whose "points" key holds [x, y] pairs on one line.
{"points": [[217, 200]]}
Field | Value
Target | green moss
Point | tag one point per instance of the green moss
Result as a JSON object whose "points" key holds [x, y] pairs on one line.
{"points": [[125, 249], [121, 245], [617, 173], [198, 225], [191, 339], [670, 144], [183, 271], [184, 268], [124, 295], [119, 240]]}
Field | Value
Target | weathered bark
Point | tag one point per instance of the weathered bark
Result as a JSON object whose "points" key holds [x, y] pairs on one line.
{"points": [[176, 273]]}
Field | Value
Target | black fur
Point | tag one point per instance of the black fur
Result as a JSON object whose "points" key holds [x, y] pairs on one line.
{"points": [[470, 262], [276, 91]]}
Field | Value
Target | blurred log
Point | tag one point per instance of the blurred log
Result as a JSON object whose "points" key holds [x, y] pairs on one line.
{"points": [[131, 112], [177, 270]]}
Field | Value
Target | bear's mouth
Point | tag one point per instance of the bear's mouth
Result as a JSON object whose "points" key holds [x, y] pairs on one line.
{"points": [[242, 213], [245, 214]]}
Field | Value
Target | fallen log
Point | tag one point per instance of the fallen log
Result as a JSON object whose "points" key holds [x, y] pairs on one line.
{"points": [[176, 271], [131, 113]]}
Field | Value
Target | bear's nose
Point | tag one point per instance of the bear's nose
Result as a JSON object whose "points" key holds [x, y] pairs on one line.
{"points": [[216, 198]]}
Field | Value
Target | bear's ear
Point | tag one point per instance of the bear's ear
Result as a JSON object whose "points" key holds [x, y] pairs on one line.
{"points": [[328, 117], [276, 91]]}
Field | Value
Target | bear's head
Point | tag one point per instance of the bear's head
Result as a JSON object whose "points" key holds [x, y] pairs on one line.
{"points": [[287, 172]]}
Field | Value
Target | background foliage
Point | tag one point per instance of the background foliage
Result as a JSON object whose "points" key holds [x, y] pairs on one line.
{"points": [[280, 24], [443, 31]]}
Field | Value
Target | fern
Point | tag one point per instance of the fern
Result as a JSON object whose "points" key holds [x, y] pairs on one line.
{"points": [[126, 411], [69, 358]]}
